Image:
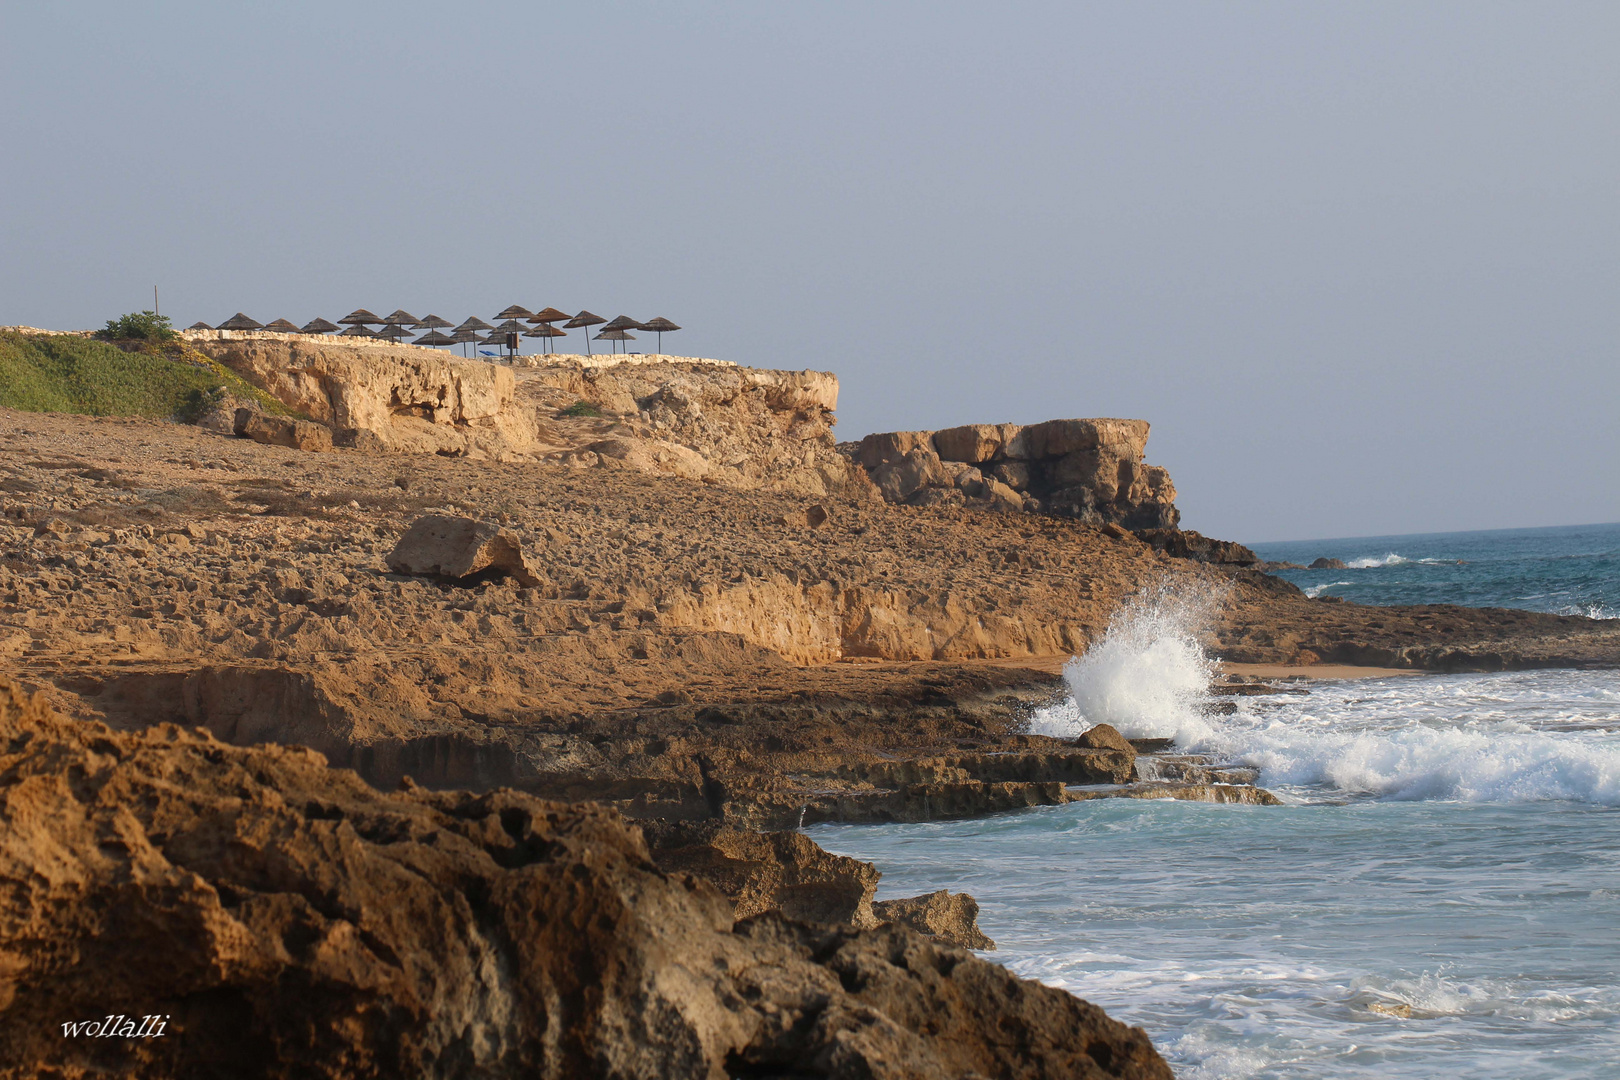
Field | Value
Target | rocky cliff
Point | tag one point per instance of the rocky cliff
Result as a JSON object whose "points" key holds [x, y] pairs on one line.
{"points": [[695, 419], [1091, 470], [249, 912]]}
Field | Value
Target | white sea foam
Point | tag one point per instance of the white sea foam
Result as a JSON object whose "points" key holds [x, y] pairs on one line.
{"points": [[1474, 738], [1391, 559], [1314, 591]]}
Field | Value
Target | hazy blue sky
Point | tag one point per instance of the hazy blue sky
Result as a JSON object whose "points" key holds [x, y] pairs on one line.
{"points": [[1357, 262]]}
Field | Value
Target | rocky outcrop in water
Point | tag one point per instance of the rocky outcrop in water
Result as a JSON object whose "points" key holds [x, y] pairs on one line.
{"points": [[1090, 470], [286, 920]]}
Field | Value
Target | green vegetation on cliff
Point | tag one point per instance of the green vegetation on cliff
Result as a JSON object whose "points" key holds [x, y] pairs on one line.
{"points": [[67, 373]]}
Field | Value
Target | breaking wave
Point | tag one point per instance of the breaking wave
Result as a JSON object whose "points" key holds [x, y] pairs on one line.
{"points": [[1515, 737], [1149, 676], [1391, 559]]}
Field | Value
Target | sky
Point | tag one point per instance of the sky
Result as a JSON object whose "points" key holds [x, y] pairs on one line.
{"points": [[1357, 263]]}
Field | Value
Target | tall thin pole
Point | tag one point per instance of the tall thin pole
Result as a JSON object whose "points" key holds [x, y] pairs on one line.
{"points": [[155, 309]]}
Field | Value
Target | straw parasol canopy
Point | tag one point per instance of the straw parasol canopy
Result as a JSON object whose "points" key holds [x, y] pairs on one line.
{"points": [[282, 326], [319, 326], [659, 326], [622, 322], [199, 325], [549, 315], [239, 321], [400, 317], [393, 332], [461, 337], [615, 335], [433, 337], [358, 330], [546, 330], [584, 318], [432, 322], [360, 317], [474, 323], [515, 312]]}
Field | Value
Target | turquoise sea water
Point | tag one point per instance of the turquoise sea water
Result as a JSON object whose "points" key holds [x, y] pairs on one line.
{"points": [[1440, 897], [1571, 570]]}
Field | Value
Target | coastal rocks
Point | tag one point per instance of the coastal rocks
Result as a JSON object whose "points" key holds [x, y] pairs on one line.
{"points": [[1091, 470], [460, 547], [282, 431], [944, 916], [768, 871], [287, 920], [1325, 563], [410, 400], [1186, 544]]}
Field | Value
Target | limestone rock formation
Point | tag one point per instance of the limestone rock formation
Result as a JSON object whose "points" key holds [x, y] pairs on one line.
{"points": [[460, 547], [282, 431], [1091, 470], [697, 420], [1186, 544], [1325, 563], [286, 920], [945, 916]]}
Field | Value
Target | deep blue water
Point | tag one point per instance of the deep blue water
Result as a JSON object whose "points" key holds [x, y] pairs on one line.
{"points": [[1569, 570]]}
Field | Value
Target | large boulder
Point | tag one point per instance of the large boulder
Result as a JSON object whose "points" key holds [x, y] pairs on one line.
{"points": [[441, 545], [282, 430], [973, 443], [284, 919]]}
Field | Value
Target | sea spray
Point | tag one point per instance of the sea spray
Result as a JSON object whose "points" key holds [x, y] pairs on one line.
{"points": [[1149, 676], [1468, 738]]}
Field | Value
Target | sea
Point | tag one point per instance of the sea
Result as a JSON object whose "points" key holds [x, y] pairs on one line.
{"points": [[1439, 895]]}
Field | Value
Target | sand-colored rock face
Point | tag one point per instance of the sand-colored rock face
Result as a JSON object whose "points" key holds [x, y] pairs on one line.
{"points": [[285, 920], [694, 420], [1092, 470]]}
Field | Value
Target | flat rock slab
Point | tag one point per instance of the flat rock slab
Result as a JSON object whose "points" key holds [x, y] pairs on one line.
{"points": [[440, 545]]}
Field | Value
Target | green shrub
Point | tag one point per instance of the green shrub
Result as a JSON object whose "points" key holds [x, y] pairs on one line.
{"points": [[67, 373], [581, 408], [138, 326]]}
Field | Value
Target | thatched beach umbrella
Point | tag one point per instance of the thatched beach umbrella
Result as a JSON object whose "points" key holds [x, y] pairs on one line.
{"points": [[318, 326], [282, 326], [615, 335], [360, 317], [239, 321], [199, 325], [433, 337], [432, 322], [659, 326], [399, 317], [583, 319], [547, 331], [358, 330], [473, 322], [622, 322], [394, 332], [463, 336], [548, 315], [515, 312]]}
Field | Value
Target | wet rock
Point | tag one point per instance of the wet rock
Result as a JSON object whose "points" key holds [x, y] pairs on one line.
{"points": [[1106, 737], [439, 545], [1327, 564], [945, 916], [282, 431]]}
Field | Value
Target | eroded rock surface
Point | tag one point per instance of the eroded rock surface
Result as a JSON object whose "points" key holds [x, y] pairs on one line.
{"points": [[945, 916], [442, 545], [287, 920], [1091, 470]]}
